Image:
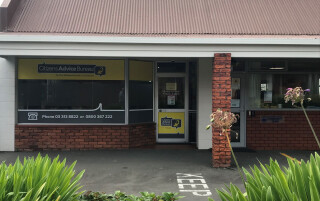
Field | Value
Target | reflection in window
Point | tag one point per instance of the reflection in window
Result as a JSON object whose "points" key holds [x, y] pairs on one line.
{"points": [[267, 90], [235, 130], [193, 101], [171, 67], [71, 94], [75, 84], [304, 65], [237, 65], [235, 92], [267, 65], [140, 91]]}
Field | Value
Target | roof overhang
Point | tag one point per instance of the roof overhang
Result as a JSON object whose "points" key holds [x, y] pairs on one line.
{"points": [[102, 46], [160, 40]]}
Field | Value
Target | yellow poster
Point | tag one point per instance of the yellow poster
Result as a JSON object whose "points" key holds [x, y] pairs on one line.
{"points": [[70, 69], [171, 123], [140, 70]]}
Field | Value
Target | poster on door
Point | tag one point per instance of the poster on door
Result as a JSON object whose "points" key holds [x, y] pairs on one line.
{"points": [[171, 123]]}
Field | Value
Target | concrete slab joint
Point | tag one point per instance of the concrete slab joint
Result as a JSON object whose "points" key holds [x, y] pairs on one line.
{"points": [[221, 98]]}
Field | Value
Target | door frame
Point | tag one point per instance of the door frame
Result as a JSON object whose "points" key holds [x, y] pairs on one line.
{"points": [[241, 110], [186, 103]]}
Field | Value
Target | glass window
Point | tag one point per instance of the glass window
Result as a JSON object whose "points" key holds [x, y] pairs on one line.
{"points": [[304, 65], [237, 65], [267, 65], [71, 86], [235, 92], [171, 67], [193, 101], [71, 94], [140, 91], [235, 130], [267, 90], [193, 85], [171, 92], [192, 126]]}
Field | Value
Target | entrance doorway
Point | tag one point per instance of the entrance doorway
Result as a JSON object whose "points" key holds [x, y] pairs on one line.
{"points": [[171, 102]]}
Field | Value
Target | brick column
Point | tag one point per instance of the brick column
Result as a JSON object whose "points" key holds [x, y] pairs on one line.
{"points": [[221, 98]]}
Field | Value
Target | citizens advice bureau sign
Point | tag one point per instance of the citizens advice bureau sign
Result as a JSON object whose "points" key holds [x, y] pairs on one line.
{"points": [[71, 68]]}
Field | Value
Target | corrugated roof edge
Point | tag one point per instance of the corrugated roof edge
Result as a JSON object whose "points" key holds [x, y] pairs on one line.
{"points": [[7, 10], [160, 35], [153, 34]]}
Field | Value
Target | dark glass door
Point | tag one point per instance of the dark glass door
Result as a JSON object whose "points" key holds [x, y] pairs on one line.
{"points": [[171, 109]]}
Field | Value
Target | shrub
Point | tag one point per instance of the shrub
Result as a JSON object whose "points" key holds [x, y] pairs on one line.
{"points": [[40, 179], [295, 183], [119, 196]]}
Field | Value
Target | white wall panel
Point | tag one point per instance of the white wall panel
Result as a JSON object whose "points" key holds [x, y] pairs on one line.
{"points": [[7, 103], [204, 102]]}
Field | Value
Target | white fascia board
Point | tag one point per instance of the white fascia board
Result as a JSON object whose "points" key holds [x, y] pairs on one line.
{"points": [[89, 46], [157, 40]]}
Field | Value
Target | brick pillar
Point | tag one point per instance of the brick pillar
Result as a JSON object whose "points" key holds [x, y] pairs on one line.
{"points": [[221, 98]]}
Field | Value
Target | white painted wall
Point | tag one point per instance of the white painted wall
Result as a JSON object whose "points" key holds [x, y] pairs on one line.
{"points": [[7, 103], [204, 102]]}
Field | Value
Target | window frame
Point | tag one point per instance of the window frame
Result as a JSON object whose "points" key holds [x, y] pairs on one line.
{"points": [[126, 79], [248, 73]]}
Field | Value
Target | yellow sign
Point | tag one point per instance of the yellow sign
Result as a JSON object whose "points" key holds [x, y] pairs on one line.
{"points": [[140, 70], [70, 69], [171, 86], [171, 123]]}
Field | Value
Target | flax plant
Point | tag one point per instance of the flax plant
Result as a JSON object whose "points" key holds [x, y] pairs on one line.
{"points": [[39, 179], [297, 182], [297, 95], [224, 120]]}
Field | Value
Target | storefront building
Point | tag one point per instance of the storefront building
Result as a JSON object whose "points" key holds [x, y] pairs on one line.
{"points": [[112, 81]]}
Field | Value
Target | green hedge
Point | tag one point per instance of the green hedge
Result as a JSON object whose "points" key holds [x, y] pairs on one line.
{"points": [[119, 196]]}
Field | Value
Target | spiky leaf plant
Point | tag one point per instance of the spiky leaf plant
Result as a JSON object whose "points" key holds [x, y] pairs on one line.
{"points": [[39, 179], [298, 182]]}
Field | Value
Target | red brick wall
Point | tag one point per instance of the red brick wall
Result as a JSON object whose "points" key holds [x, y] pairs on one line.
{"points": [[142, 134], [221, 98], [293, 133], [81, 137]]}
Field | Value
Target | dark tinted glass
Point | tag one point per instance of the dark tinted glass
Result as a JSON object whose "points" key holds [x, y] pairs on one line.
{"points": [[171, 92], [71, 94], [141, 95], [140, 91], [267, 65], [141, 116], [305, 65], [193, 86], [171, 67], [237, 65], [193, 126]]}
